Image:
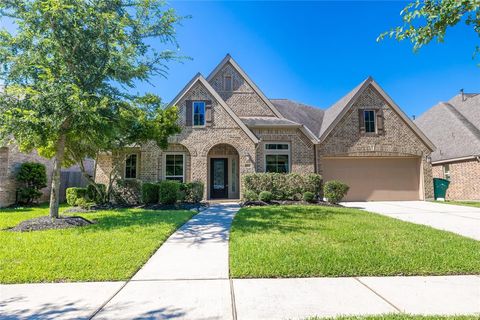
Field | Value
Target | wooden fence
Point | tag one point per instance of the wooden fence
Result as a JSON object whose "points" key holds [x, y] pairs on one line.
{"points": [[70, 179]]}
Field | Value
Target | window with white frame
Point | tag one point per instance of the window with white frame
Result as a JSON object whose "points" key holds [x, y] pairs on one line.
{"points": [[198, 113], [131, 167], [277, 157], [175, 167], [369, 119], [446, 171]]}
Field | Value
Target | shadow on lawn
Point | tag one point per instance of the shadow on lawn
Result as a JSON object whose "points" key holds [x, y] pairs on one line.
{"points": [[286, 219], [124, 218]]}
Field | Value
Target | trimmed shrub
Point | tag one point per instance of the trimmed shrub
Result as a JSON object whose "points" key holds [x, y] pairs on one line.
{"points": [[150, 192], [308, 196], [127, 192], [193, 191], [334, 191], [94, 195], [33, 177], [75, 196], [168, 191], [282, 186], [265, 196], [313, 183], [250, 196]]}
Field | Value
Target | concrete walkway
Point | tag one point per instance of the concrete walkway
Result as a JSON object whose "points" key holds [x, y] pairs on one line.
{"points": [[187, 278], [458, 219]]}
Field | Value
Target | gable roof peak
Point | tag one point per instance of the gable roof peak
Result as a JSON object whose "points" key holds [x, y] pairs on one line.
{"points": [[335, 113], [228, 59]]}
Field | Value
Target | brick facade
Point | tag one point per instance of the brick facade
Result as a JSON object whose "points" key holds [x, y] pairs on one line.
{"points": [[226, 138], [398, 139], [301, 148], [195, 143], [243, 100], [10, 160], [464, 179]]}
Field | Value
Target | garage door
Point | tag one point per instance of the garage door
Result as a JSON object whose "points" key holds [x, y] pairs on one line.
{"points": [[376, 178]]}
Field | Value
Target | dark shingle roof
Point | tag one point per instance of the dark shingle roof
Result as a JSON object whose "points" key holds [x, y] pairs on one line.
{"points": [[309, 116], [267, 121], [468, 106], [334, 110], [451, 127]]}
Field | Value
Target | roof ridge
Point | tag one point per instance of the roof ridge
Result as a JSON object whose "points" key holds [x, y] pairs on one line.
{"points": [[469, 125]]}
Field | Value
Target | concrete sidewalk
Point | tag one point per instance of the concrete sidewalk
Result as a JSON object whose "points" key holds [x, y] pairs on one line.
{"points": [[245, 298], [462, 220], [187, 278]]}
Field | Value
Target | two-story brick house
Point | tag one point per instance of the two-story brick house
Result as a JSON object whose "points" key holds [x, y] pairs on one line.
{"points": [[230, 128]]}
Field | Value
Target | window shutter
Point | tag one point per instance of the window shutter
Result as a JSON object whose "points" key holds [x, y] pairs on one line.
{"points": [[380, 128], [208, 113], [361, 121], [188, 113]]}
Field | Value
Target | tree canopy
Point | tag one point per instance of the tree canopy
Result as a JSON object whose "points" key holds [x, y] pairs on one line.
{"points": [[428, 20], [69, 72]]}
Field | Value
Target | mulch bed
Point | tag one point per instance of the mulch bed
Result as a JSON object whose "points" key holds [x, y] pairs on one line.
{"points": [[47, 223], [112, 206], [286, 203], [179, 206]]}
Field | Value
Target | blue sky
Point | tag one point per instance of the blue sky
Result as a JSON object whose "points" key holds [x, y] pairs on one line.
{"points": [[315, 52]]}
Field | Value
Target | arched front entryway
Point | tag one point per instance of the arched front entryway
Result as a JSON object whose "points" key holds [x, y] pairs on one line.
{"points": [[223, 180]]}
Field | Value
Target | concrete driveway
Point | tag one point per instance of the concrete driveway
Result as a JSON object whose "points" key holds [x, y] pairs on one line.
{"points": [[458, 219]]}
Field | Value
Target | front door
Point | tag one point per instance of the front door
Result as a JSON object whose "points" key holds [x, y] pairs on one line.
{"points": [[218, 178]]}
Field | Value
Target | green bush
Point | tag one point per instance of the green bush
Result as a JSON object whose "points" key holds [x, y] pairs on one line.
{"points": [[94, 195], [75, 196], [313, 183], [308, 196], [192, 191], [289, 186], [334, 191], [150, 192], [33, 177], [250, 196], [168, 192], [265, 196]]}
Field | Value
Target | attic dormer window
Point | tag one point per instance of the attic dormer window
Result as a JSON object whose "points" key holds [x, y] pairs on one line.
{"points": [[228, 83]]}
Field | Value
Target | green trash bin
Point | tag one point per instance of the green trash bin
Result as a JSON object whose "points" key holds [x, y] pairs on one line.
{"points": [[440, 187]]}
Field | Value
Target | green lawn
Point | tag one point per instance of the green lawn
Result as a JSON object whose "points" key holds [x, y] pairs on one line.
{"points": [[113, 249], [306, 241], [475, 204], [400, 317]]}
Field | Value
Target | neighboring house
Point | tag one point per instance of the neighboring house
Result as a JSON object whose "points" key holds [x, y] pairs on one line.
{"points": [[10, 160], [229, 129], [454, 127]]}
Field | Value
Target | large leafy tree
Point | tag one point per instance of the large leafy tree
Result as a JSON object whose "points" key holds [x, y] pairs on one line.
{"points": [[69, 70], [428, 20]]}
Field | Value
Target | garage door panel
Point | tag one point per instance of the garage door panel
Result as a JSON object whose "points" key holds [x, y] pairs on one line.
{"points": [[376, 178]]}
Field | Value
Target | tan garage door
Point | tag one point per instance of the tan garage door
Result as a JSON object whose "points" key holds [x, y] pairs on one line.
{"points": [[376, 178]]}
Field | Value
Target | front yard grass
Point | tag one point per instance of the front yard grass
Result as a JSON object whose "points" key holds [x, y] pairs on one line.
{"points": [[311, 241], [113, 249], [400, 317], [475, 204]]}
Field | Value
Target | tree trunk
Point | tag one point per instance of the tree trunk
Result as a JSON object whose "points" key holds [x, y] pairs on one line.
{"points": [[57, 166]]}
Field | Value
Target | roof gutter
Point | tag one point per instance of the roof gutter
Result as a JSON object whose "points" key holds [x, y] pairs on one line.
{"points": [[473, 157]]}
